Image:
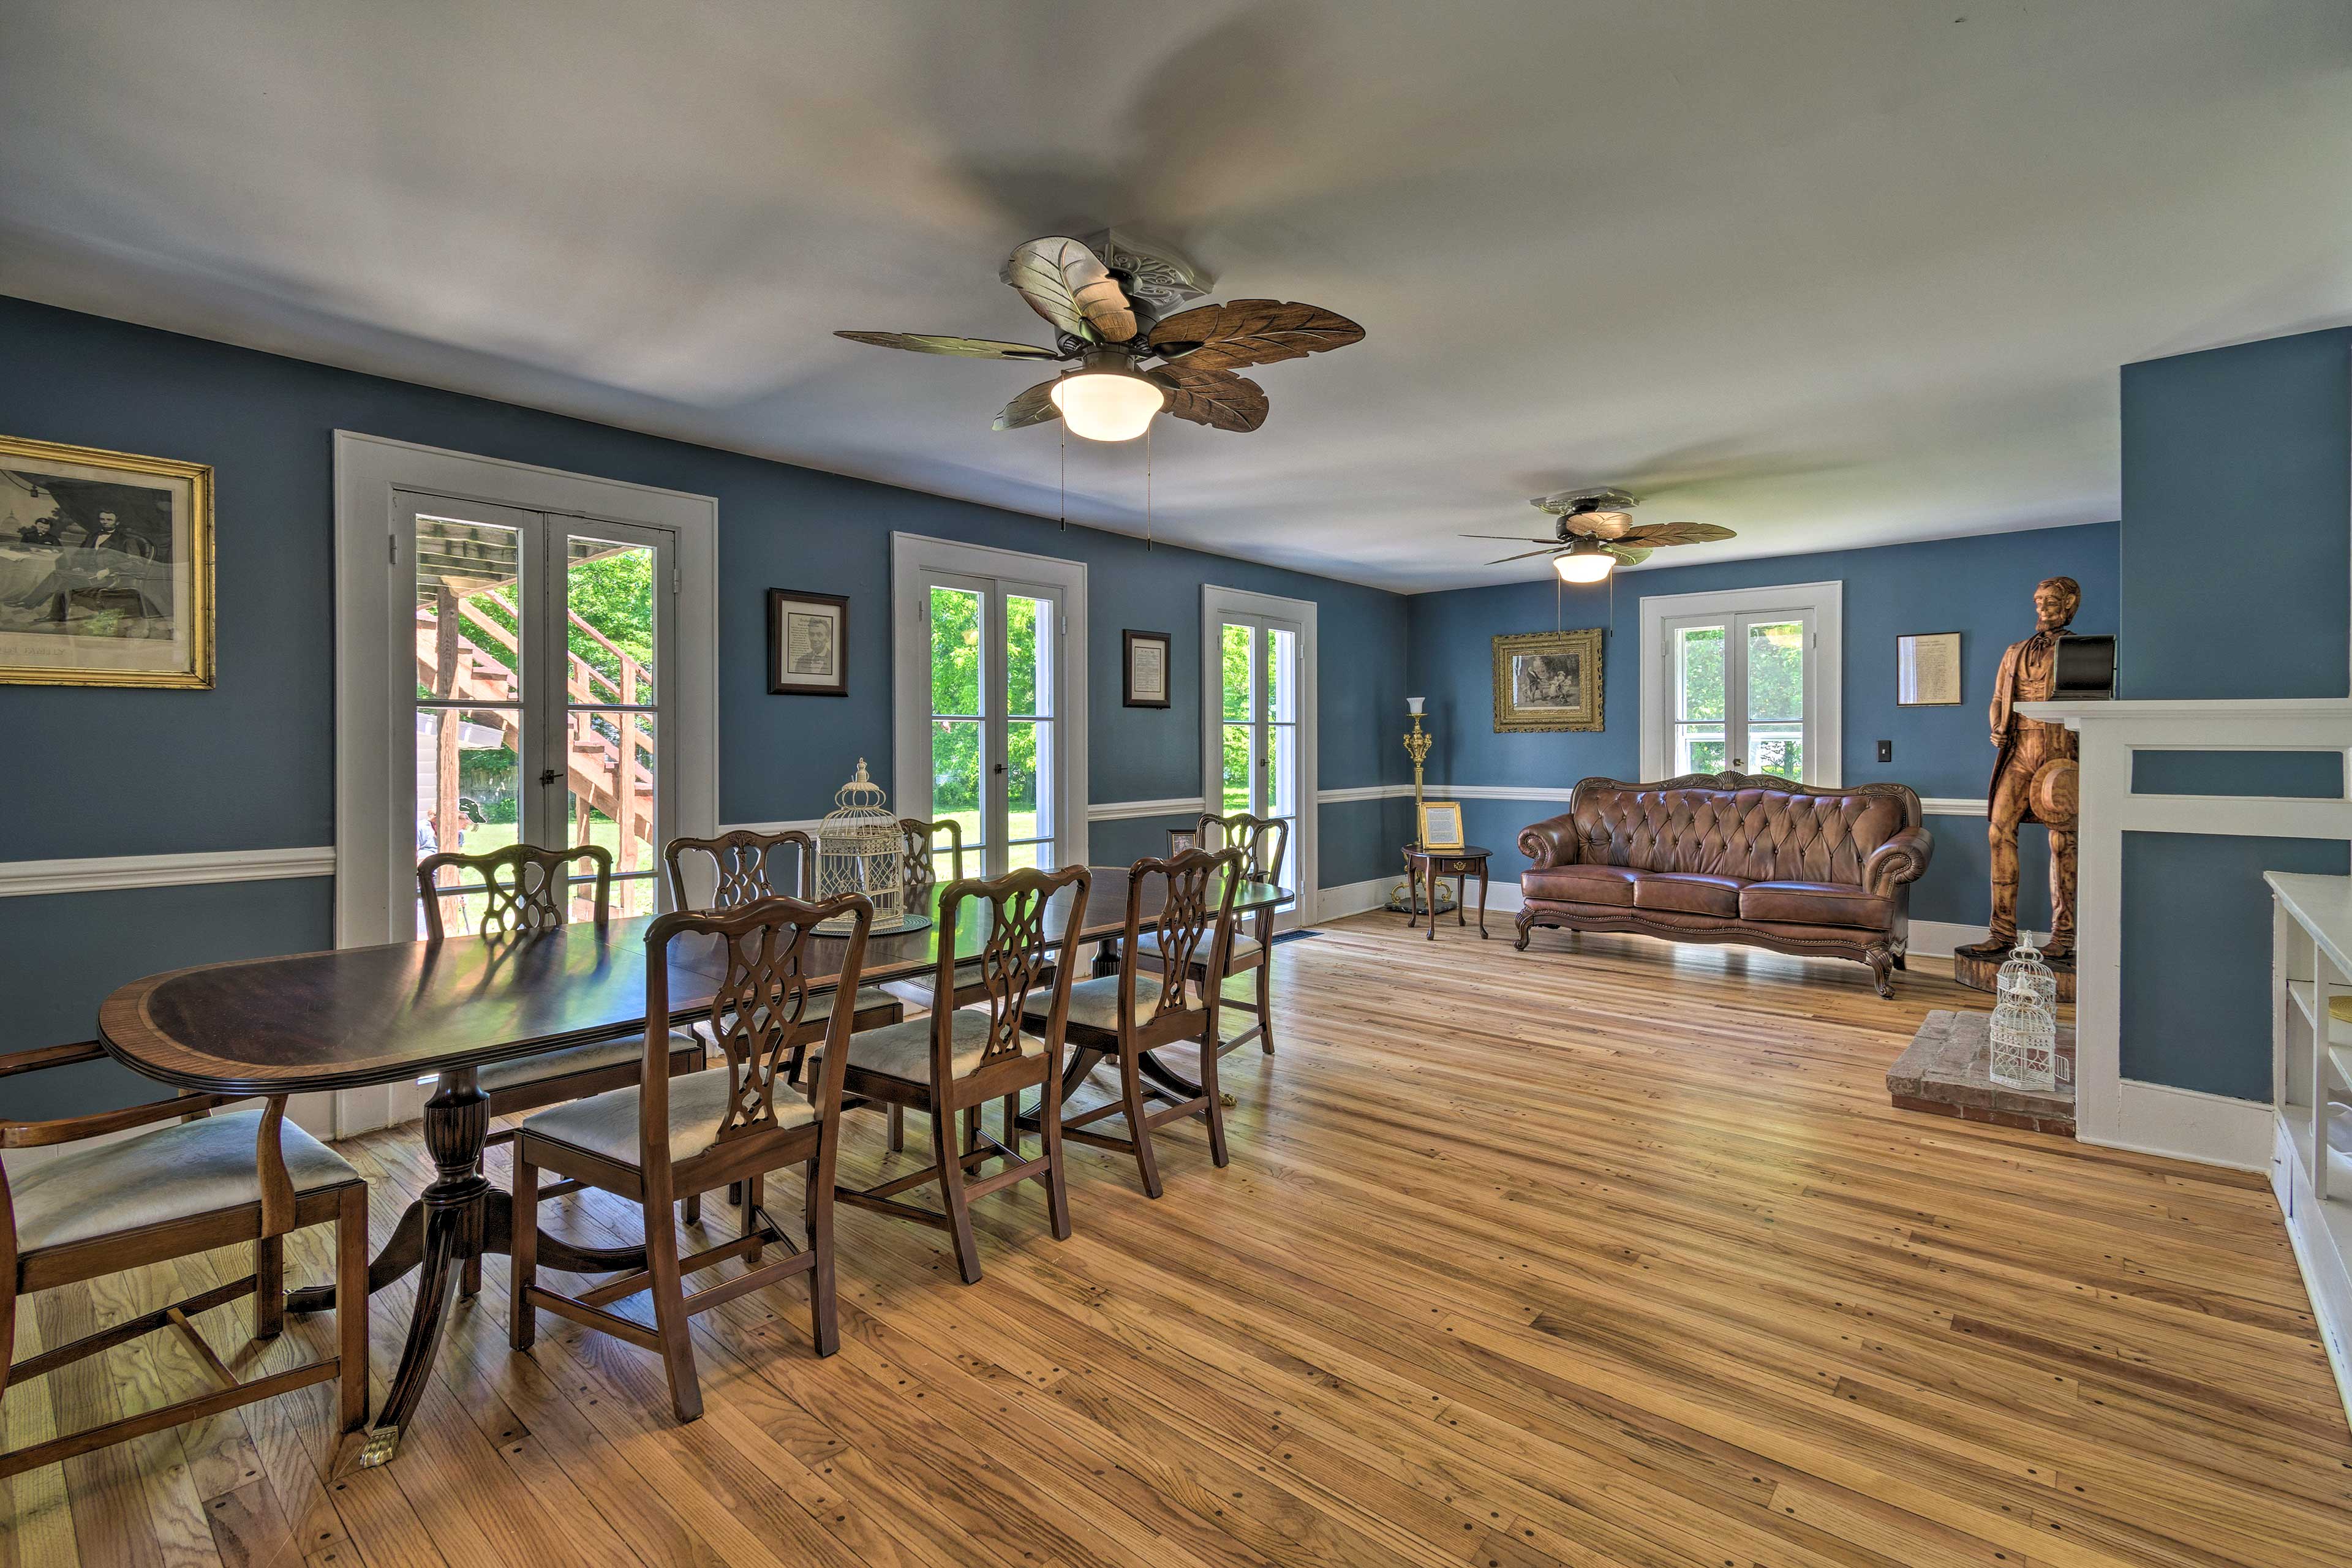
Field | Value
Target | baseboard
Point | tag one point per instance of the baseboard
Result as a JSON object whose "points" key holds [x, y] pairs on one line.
{"points": [[2321, 1234], [2187, 1124], [1353, 898]]}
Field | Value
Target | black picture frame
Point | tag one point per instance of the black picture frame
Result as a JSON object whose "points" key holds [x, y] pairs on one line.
{"points": [[833, 611], [1128, 642]]}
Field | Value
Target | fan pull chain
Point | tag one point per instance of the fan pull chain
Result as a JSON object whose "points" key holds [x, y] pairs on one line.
{"points": [[1065, 478], [1146, 489]]}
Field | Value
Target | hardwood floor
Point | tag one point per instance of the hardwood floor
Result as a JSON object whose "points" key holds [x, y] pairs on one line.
{"points": [[1612, 1253]]}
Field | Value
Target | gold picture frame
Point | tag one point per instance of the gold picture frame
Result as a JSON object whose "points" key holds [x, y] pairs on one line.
{"points": [[106, 568], [1440, 826], [1547, 681]]}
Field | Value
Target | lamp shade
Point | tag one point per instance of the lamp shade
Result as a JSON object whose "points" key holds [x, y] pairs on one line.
{"points": [[1107, 405], [1584, 562]]}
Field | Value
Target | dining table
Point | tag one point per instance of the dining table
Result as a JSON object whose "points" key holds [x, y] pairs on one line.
{"points": [[353, 1017]]}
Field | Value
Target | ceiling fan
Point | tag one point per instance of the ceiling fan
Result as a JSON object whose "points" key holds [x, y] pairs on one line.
{"points": [[1596, 534], [1108, 317]]}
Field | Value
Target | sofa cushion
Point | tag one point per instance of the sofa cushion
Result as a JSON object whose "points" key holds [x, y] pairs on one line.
{"points": [[1581, 884], [1688, 892], [1816, 903]]}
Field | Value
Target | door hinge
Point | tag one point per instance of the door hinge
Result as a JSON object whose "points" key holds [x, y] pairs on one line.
{"points": [[676, 578], [392, 541]]}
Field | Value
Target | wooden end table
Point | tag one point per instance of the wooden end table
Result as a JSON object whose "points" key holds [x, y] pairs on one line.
{"points": [[1428, 866]]}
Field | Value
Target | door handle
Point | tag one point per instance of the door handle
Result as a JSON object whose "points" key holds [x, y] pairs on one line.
{"points": [[1000, 767], [548, 776]]}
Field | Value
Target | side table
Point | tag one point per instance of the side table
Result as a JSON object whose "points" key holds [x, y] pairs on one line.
{"points": [[1459, 864]]}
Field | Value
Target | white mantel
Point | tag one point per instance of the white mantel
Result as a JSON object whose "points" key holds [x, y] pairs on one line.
{"points": [[2110, 1109]]}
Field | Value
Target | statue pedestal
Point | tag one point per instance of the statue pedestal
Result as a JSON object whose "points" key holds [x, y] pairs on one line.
{"points": [[1984, 973]]}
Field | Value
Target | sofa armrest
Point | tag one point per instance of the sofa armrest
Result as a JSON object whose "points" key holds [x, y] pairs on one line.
{"points": [[1551, 842], [1902, 859]]}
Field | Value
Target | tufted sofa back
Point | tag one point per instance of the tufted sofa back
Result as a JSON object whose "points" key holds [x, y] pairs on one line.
{"points": [[1753, 826]]}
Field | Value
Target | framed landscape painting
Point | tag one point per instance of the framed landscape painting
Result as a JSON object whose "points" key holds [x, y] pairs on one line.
{"points": [[808, 644], [1548, 680], [106, 568]]}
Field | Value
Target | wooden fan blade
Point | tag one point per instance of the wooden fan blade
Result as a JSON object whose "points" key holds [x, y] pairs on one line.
{"points": [[1652, 535], [1069, 286], [1035, 406], [1252, 331], [938, 343], [1523, 554], [1217, 398]]}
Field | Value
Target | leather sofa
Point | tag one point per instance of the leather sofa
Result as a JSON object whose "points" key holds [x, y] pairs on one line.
{"points": [[1733, 858]]}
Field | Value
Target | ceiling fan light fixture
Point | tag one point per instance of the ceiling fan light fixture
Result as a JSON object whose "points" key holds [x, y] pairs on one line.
{"points": [[1584, 561], [1107, 402]]}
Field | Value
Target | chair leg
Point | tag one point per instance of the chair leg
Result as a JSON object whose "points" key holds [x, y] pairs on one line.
{"points": [[1049, 1125], [469, 1281], [971, 1128], [268, 1287], [897, 1129], [670, 1310], [351, 1307], [1013, 1123], [735, 1194], [522, 1260], [755, 1190], [824, 1321], [1139, 1125], [1266, 996], [690, 1210], [959, 1212]]}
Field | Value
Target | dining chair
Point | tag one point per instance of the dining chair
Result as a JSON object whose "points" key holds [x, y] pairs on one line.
{"points": [[732, 1123], [1263, 841], [206, 1182], [1124, 1017], [918, 872], [527, 889], [954, 1061]]}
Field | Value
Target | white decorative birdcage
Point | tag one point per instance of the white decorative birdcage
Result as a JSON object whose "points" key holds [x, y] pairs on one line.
{"points": [[859, 850], [2025, 1024]]}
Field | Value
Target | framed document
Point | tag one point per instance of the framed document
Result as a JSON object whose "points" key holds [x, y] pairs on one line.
{"points": [[808, 644], [1441, 825], [1927, 670], [1146, 682]]}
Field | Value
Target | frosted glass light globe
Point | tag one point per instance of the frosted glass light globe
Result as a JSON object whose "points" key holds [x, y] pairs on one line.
{"points": [[1107, 405], [1584, 565]]}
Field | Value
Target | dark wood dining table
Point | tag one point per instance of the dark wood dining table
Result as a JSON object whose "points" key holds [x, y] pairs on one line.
{"points": [[357, 1016]]}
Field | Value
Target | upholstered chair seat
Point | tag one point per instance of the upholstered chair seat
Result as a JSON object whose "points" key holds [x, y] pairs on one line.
{"points": [[1245, 947], [903, 1050], [178, 1173], [529, 1072], [1094, 1003], [605, 1125]]}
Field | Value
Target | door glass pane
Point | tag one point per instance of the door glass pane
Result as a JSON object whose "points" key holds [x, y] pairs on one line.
{"points": [[1240, 676], [1282, 772], [1281, 676], [1240, 753], [1777, 748], [609, 621], [609, 787], [1028, 774], [1698, 673], [955, 779], [1698, 749], [1776, 672], [468, 773], [468, 634], [955, 653], [1028, 656], [631, 896]]}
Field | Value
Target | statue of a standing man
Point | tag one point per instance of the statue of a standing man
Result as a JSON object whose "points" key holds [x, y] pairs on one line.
{"points": [[2024, 747]]}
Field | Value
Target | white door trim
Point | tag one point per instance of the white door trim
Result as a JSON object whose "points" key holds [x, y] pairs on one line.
{"points": [[911, 556], [369, 469], [1215, 601], [1825, 674]]}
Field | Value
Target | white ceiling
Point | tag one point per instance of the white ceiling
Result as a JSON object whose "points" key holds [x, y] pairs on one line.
{"points": [[1828, 272]]}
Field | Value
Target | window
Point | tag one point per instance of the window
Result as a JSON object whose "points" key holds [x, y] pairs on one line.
{"points": [[984, 680], [1259, 722], [1745, 681]]}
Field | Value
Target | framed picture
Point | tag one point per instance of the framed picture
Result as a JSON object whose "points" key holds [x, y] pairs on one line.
{"points": [[808, 644], [1146, 664], [1548, 680], [1441, 825], [1181, 839], [106, 568], [1927, 670]]}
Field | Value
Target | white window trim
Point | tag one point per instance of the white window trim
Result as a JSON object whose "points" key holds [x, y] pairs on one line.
{"points": [[1824, 668], [369, 469], [1215, 601], [911, 556]]}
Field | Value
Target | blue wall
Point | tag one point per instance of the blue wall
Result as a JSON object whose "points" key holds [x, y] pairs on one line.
{"points": [[1980, 587], [250, 764]]}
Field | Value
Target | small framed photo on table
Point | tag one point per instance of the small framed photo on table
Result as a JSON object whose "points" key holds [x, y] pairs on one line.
{"points": [[1182, 840], [1441, 825], [1927, 670], [1145, 684], [808, 644]]}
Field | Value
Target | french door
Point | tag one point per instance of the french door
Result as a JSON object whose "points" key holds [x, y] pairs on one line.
{"points": [[535, 662], [1742, 687], [1261, 741], [985, 689]]}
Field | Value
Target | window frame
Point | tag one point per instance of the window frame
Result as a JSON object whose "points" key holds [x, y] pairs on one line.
{"points": [[1821, 603]]}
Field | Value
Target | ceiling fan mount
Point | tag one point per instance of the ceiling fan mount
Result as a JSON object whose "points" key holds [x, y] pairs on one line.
{"points": [[1593, 533]]}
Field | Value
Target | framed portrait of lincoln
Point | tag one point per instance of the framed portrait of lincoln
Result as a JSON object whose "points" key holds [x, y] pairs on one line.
{"points": [[106, 568]]}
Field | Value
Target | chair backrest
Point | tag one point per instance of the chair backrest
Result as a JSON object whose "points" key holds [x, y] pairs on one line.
{"points": [[1193, 924], [1016, 957], [742, 867], [918, 872], [1263, 841], [755, 1012], [529, 889]]}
